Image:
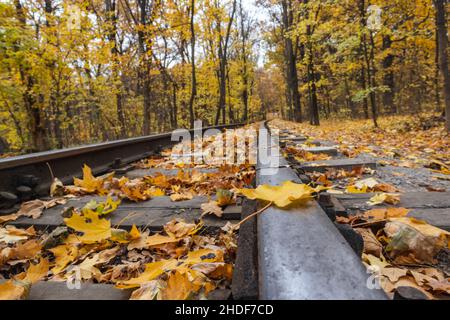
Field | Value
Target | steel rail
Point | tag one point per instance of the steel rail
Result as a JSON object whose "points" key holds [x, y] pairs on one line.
{"points": [[301, 254], [31, 170]]}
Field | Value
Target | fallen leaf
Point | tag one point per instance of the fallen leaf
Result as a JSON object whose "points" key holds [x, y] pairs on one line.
{"points": [[12, 290], [284, 195], [34, 208], [211, 207], [36, 272], [367, 183], [57, 188], [152, 271], [64, 254], [19, 287], [7, 237], [148, 291], [22, 251], [94, 228], [181, 196], [179, 287], [89, 183], [224, 197], [179, 229], [385, 213], [384, 198], [371, 244]]}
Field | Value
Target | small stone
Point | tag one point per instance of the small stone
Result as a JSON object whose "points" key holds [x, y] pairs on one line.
{"points": [[25, 192], [409, 293], [7, 199], [28, 180]]}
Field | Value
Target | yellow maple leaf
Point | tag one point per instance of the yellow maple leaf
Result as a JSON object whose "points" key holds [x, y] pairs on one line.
{"points": [[19, 287], [152, 271], [384, 198], [36, 272], [12, 290], [64, 254], [203, 256], [134, 233], [284, 195], [94, 229], [159, 239], [179, 287], [354, 189], [384, 213], [89, 183]]}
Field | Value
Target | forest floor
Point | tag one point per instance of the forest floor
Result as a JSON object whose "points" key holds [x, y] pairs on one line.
{"points": [[398, 207], [412, 153]]}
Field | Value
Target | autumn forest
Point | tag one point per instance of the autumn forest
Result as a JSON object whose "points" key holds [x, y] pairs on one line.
{"points": [[82, 71]]}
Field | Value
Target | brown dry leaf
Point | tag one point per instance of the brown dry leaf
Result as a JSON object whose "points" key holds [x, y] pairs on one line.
{"points": [[393, 274], [88, 267], [181, 196], [371, 243], [212, 207], [22, 251], [440, 286], [179, 229], [414, 242], [148, 291], [384, 187], [57, 188], [218, 270], [9, 217], [34, 208], [224, 197]]}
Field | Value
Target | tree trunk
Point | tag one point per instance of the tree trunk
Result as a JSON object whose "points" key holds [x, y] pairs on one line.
{"points": [[388, 79], [437, 87], [35, 123], [441, 30], [223, 63], [368, 66], [145, 65], [194, 78], [314, 108], [111, 18], [291, 58]]}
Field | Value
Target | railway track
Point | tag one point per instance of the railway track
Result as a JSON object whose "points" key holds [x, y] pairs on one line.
{"points": [[298, 253]]}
